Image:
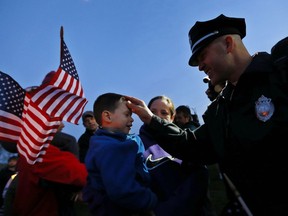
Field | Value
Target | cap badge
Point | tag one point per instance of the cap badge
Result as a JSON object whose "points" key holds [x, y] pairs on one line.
{"points": [[264, 108]]}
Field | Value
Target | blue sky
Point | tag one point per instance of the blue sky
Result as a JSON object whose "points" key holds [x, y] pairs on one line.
{"points": [[134, 47]]}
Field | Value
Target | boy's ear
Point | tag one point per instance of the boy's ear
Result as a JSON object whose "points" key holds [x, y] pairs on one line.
{"points": [[106, 116]]}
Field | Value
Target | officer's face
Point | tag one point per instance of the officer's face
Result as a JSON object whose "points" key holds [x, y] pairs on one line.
{"points": [[213, 60]]}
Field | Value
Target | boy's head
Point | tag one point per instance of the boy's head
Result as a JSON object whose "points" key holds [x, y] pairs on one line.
{"points": [[112, 113]]}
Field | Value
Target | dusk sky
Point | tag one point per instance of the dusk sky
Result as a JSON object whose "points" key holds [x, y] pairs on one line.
{"points": [[132, 47]]}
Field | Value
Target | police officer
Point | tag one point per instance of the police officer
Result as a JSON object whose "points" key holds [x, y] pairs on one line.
{"points": [[245, 128]]}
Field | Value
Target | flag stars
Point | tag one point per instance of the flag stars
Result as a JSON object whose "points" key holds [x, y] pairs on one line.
{"points": [[67, 63], [12, 95]]}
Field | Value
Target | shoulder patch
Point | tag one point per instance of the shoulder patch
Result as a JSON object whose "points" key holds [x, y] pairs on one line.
{"points": [[264, 108]]}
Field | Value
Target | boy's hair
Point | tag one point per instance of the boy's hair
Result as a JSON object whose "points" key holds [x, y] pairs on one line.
{"points": [[107, 101], [163, 97]]}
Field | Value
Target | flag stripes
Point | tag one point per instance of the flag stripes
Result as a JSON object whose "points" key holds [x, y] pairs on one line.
{"points": [[37, 132], [63, 95], [10, 127], [31, 119]]}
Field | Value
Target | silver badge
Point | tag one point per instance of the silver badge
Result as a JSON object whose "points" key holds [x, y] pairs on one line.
{"points": [[264, 108]]}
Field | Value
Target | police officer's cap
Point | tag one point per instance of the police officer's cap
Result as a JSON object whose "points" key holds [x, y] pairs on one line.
{"points": [[203, 33]]}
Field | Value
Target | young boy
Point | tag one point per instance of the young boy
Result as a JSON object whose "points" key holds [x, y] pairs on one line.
{"points": [[117, 181]]}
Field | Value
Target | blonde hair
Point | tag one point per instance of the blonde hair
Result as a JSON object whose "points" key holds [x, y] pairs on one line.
{"points": [[167, 99]]}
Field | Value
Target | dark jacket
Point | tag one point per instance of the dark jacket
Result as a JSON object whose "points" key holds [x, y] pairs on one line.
{"points": [[5, 174], [66, 142], [244, 130], [192, 125], [182, 187], [83, 143]]}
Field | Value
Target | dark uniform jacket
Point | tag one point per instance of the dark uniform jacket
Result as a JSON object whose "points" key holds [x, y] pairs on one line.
{"points": [[245, 131], [181, 187]]}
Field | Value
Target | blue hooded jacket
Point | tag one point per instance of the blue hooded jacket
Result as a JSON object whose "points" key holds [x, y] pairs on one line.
{"points": [[118, 182]]}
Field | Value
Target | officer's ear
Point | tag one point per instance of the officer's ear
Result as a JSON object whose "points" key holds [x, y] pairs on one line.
{"points": [[229, 43]]}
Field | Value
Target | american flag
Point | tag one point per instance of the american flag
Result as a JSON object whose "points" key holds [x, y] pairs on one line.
{"points": [[63, 96], [23, 122], [11, 107], [38, 130]]}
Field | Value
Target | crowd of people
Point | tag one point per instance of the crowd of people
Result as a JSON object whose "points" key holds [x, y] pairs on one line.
{"points": [[162, 170]]}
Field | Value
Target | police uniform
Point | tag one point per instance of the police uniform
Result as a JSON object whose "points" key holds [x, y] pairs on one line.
{"points": [[244, 129]]}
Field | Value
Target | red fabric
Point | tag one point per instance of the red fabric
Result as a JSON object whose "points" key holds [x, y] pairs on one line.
{"points": [[57, 166]]}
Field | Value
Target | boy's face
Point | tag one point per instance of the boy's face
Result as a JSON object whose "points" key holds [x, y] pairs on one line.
{"points": [[121, 119]]}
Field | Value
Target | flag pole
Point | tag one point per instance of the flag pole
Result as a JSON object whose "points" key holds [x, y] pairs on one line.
{"points": [[238, 196], [61, 40]]}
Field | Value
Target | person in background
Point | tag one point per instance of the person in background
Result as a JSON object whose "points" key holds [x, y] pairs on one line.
{"points": [[118, 181], [5, 174], [91, 126], [6, 151], [182, 187], [62, 193], [9, 194], [244, 129], [183, 118], [65, 193], [48, 184], [213, 91], [46, 188], [65, 142], [231, 204]]}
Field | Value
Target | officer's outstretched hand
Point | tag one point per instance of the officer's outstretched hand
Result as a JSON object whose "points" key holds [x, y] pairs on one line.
{"points": [[139, 107]]}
